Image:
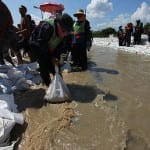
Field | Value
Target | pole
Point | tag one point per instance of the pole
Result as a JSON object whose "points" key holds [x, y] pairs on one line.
{"points": [[40, 10]]}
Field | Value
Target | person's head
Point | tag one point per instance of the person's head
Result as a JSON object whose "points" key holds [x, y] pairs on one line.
{"points": [[120, 27], [138, 21], [22, 10], [66, 23], [80, 15], [29, 17]]}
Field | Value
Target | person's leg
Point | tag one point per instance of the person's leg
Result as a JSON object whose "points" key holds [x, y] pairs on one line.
{"points": [[83, 56], [75, 54], [1, 57], [1, 53], [44, 73], [16, 45]]}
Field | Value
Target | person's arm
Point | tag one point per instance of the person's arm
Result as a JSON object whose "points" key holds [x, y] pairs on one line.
{"points": [[24, 28], [87, 30]]}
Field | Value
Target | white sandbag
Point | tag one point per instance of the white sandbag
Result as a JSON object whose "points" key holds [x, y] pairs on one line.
{"points": [[8, 118], [7, 147], [57, 90], [14, 74], [32, 68], [3, 75], [5, 85], [69, 56], [67, 67], [5, 68], [6, 114], [7, 102], [8, 109], [6, 126], [21, 84], [37, 79], [33, 65], [3, 89]]}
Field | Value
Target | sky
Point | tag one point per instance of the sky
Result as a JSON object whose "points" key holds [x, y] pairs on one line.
{"points": [[100, 13]]}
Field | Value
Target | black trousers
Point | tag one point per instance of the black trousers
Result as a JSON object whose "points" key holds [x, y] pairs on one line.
{"points": [[79, 54], [9, 41], [45, 62]]}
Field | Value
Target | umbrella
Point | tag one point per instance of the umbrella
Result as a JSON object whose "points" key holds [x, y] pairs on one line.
{"points": [[51, 7]]}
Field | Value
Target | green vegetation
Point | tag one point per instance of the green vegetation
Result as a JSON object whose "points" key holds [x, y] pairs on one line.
{"points": [[105, 32], [147, 28]]}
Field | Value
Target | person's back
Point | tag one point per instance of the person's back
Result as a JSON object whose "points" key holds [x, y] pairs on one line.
{"points": [[6, 24], [121, 36], [32, 23], [45, 40], [6, 20]]}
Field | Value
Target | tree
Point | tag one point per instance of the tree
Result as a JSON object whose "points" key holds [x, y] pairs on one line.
{"points": [[105, 32], [146, 28]]}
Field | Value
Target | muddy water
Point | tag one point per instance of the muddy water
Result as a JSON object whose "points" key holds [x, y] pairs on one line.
{"points": [[110, 108], [125, 78]]}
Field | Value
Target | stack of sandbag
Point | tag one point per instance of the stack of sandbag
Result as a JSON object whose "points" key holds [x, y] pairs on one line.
{"points": [[9, 116], [13, 78], [18, 78]]}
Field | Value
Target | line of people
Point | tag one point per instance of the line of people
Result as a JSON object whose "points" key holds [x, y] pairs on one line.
{"points": [[54, 35], [46, 41], [124, 35], [14, 38]]}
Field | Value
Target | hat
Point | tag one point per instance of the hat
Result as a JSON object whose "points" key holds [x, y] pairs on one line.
{"points": [[66, 22], [79, 12], [23, 7]]}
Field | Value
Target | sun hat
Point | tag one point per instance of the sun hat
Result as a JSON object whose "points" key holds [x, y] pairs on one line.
{"points": [[79, 12], [66, 22]]}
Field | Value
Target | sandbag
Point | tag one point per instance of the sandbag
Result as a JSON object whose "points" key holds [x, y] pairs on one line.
{"points": [[67, 67], [57, 90]]}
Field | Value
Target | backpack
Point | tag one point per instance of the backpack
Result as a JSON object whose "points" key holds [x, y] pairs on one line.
{"points": [[41, 33]]}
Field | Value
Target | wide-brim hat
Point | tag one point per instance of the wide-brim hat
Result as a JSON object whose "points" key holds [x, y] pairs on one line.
{"points": [[79, 12]]}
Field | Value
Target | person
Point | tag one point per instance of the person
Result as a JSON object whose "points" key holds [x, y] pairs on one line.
{"points": [[128, 31], [148, 34], [32, 22], [121, 36], [138, 30], [27, 50], [45, 43], [8, 37], [81, 33], [89, 41], [24, 30]]}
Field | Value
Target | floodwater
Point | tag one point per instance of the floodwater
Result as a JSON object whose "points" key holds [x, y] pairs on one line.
{"points": [[110, 108]]}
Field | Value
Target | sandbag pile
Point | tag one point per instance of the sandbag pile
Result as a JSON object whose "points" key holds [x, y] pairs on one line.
{"points": [[11, 79]]}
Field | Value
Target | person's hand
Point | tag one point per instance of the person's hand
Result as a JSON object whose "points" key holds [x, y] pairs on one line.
{"points": [[55, 61], [19, 33]]}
